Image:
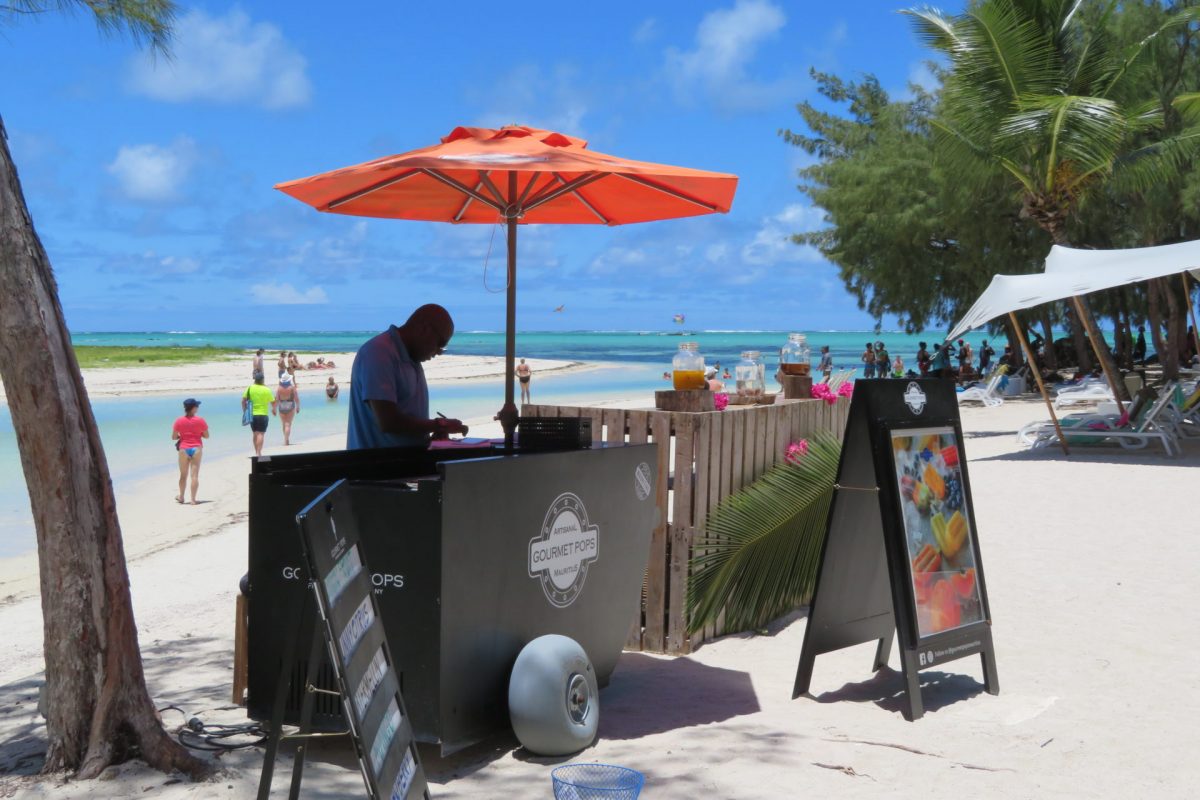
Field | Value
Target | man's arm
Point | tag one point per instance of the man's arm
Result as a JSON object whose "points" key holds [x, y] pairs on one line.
{"points": [[391, 419]]}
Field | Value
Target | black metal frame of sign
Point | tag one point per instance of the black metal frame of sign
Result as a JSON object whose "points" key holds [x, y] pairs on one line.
{"points": [[870, 582], [351, 628]]}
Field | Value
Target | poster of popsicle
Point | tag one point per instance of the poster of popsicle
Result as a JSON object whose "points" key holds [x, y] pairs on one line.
{"points": [[937, 526]]}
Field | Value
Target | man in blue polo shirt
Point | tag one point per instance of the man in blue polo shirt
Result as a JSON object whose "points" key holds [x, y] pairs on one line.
{"points": [[389, 399]]}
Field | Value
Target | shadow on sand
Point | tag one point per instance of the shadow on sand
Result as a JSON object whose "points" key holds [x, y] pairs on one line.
{"points": [[886, 690]]}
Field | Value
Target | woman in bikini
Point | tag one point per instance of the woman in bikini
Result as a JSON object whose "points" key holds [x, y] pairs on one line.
{"points": [[189, 431], [286, 405], [523, 374]]}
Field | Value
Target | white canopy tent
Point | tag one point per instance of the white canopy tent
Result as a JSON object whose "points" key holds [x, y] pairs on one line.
{"points": [[1071, 272]]}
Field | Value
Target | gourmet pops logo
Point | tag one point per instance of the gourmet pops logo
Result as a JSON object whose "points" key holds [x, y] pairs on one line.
{"points": [[559, 556]]}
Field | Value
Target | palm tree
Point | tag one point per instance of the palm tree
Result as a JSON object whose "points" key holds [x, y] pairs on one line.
{"points": [[1037, 92], [98, 711]]}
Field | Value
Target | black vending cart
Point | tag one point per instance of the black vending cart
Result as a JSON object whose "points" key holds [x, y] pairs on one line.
{"points": [[473, 555]]}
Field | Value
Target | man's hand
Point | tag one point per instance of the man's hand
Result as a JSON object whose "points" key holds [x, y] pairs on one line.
{"points": [[444, 426]]}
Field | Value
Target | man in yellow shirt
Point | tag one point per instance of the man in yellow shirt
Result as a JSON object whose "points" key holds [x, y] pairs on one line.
{"points": [[260, 399]]}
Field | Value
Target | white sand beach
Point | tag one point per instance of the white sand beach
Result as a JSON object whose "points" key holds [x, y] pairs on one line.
{"points": [[1098, 691]]}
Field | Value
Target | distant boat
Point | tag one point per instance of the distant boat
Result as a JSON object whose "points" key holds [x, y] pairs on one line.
{"points": [[679, 319], [560, 308]]}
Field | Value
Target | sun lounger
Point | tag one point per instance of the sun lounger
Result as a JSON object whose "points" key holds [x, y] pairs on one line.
{"points": [[1091, 390], [989, 395], [836, 379], [1156, 424]]}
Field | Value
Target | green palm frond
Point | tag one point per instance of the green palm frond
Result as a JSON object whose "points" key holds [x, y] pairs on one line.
{"points": [[758, 556], [1156, 163], [1188, 106], [1084, 133], [147, 22]]}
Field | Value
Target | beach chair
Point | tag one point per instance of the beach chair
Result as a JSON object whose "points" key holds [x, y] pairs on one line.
{"points": [[1090, 390], [836, 379], [1154, 425], [989, 395]]}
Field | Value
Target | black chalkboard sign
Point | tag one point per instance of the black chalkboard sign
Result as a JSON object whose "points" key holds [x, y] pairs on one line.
{"points": [[901, 551], [351, 628]]}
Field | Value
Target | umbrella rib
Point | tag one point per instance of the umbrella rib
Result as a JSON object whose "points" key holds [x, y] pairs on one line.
{"points": [[545, 197], [458, 217], [383, 184], [467, 190], [487, 181], [666, 190], [579, 196], [528, 186]]}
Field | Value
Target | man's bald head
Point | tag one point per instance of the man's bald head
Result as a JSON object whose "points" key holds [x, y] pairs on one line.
{"points": [[427, 331]]}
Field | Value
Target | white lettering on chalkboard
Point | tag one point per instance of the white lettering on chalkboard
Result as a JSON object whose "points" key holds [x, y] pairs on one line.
{"points": [[404, 779], [370, 682], [344, 571], [361, 620], [384, 736]]}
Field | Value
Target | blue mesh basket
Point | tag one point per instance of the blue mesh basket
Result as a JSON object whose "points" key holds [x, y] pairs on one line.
{"points": [[596, 782]]}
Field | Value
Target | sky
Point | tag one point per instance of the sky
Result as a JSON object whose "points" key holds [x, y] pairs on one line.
{"points": [[150, 179]]}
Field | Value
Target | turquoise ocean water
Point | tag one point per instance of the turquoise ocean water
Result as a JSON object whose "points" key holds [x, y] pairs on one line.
{"points": [[137, 431]]}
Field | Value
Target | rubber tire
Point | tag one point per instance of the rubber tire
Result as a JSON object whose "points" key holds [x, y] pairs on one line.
{"points": [[538, 689]]}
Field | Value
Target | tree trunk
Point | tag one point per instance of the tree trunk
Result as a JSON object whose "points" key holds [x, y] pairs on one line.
{"points": [[1051, 215], [1014, 343], [1154, 309], [98, 711], [1049, 354], [1176, 330]]}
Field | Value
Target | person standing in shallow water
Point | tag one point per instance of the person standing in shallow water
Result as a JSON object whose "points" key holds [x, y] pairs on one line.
{"points": [[286, 405], [189, 432], [868, 360], [260, 400], [523, 375]]}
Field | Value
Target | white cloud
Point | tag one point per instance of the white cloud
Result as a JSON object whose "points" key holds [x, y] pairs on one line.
{"points": [[171, 265], [646, 31], [152, 173], [772, 242], [716, 253], [228, 59], [284, 294], [921, 74], [727, 41], [615, 259]]}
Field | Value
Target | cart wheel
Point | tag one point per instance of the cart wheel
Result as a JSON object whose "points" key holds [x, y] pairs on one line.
{"points": [[553, 697]]}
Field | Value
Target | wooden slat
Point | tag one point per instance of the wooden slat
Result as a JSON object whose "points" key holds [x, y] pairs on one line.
{"points": [[782, 429], [737, 462], [597, 417], [639, 426], [681, 527], [749, 448], [653, 638], [726, 455], [614, 425], [769, 441], [700, 492], [762, 443]]}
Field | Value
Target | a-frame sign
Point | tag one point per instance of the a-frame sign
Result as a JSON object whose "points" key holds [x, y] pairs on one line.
{"points": [[350, 630], [901, 551]]}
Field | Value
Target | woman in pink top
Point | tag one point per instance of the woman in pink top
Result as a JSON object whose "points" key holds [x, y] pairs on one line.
{"points": [[189, 431]]}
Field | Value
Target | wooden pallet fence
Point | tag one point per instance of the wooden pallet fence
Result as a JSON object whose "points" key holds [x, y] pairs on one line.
{"points": [[702, 459]]}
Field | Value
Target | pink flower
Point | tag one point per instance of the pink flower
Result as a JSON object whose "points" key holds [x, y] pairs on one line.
{"points": [[846, 389], [720, 400], [795, 451], [821, 391]]}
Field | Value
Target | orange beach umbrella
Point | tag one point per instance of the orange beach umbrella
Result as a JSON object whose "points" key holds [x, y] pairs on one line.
{"points": [[519, 176]]}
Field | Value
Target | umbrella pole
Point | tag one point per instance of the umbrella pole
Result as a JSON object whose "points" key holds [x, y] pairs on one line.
{"points": [[1094, 336], [509, 415], [1037, 375]]}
